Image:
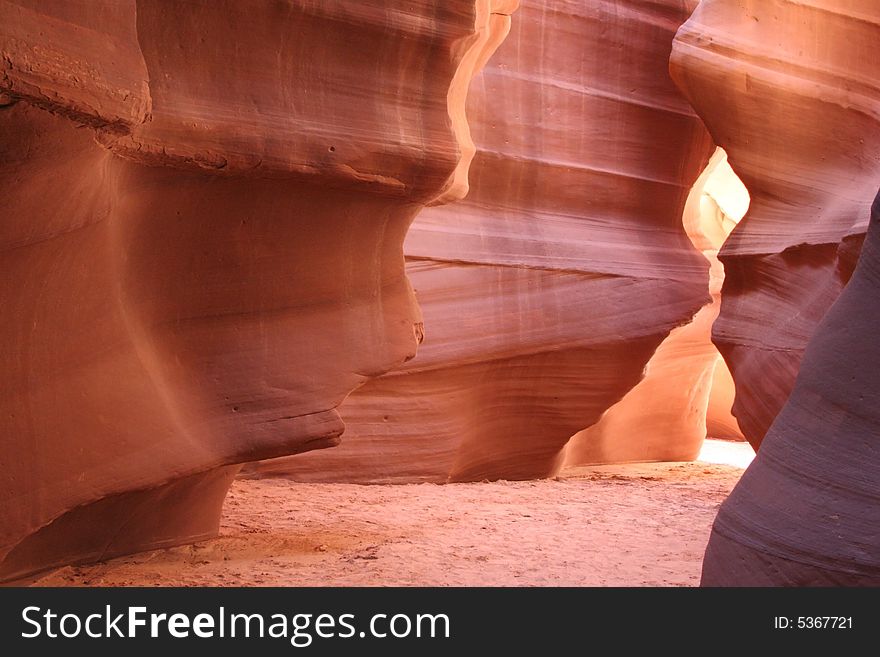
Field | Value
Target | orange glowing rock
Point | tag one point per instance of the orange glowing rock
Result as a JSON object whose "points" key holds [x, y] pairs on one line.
{"points": [[204, 210], [534, 288]]}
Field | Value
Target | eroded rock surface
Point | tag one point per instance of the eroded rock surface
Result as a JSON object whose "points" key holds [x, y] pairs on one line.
{"points": [[204, 211], [684, 394], [807, 511], [548, 289], [790, 91]]}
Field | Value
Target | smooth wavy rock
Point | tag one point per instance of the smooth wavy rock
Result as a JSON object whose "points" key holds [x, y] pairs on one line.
{"points": [[807, 511], [534, 289], [204, 209], [790, 90], [666, 417]]}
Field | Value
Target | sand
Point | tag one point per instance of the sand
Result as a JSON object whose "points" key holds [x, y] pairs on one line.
{"points": [[623, 525]]}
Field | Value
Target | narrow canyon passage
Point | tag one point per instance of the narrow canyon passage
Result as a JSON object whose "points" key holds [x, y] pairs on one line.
{"points": [[613, 525], [627, 524], [687, 390], [449, 292]]}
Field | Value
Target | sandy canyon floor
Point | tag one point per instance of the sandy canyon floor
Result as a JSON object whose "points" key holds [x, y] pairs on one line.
{"points": [[625, 525]]}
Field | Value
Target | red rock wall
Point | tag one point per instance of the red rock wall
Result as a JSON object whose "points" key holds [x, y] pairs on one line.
{"points": [[666, 416], [790, 91], [204, 211], [548, 289], [807, 511]]}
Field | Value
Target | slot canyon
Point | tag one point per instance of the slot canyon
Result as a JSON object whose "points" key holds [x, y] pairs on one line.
{"points": [[439, 293]]}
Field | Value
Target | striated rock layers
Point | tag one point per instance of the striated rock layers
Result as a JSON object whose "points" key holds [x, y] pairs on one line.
{"points": [[548, 289], [790, 90], [684, 393], [807, 511], [204, 211]]}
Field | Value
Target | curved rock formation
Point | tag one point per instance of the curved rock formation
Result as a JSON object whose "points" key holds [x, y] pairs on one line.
{"points": [[790, 91], [534, 289], [666, 416], [204, 210], [720, 421], [807, 511]]}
